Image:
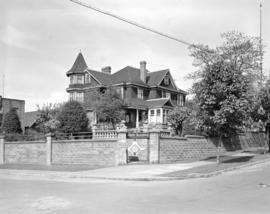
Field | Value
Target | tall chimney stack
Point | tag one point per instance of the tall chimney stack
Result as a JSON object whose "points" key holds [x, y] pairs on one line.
{"points": [[143, 71], [106, 70]]}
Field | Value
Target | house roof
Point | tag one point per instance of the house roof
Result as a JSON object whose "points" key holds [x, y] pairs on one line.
{"points": [[30, 118], [103, 78], [159, 102], [79, 65], [154, 103], [129, 75], [154, 78]]}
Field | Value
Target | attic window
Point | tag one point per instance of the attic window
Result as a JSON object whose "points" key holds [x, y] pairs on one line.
{"points": [[166, 80]]}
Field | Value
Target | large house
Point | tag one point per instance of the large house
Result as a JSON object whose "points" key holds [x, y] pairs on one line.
{"points": [[147, 95]]}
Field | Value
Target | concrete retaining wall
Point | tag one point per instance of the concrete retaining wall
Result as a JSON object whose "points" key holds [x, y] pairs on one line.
{"points": [[91, 152], [25, 152]]}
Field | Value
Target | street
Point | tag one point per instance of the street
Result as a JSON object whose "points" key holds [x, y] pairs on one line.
{"points": [[242, 191]]}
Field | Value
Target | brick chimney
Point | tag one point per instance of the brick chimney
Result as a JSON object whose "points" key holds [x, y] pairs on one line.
{"points": [[143, 71], [106, 70]]}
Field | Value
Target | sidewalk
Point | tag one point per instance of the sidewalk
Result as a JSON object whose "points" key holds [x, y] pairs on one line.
{"points": [[153, 172]]}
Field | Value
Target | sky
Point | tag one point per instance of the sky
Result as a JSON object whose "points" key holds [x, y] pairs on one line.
{"points": [[40, 39]]}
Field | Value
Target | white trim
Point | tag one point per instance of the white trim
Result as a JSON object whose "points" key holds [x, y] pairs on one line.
{"points": [[93, 76]]}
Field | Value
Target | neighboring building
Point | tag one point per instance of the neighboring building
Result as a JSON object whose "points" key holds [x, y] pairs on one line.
{"points": [[7, 104], [30, 119], [147, 95]]}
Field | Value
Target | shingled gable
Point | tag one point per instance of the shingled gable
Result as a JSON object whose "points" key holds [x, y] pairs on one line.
{"points": [[79, 66]]}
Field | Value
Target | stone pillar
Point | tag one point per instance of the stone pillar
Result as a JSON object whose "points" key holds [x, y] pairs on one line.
{"points": [[48, 149], [2, 150], [121, 148], [154, 146]]}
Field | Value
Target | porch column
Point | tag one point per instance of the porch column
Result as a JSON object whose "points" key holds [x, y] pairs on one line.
{"points": [[161, 115], [137, 118]]}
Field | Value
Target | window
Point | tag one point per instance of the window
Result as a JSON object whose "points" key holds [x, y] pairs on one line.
{"points": [[165, 115], [152, 116], [140, 93], [168, 95], [76, 79], [166, 80], [163, 94], [87, 78], [77, 96], [180, 100], [159, 116], [120, 91]]}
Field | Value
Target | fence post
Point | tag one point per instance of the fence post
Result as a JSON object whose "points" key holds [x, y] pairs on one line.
{"points": [[2, 149], [48, 149], [121, 155], [154, 136]]}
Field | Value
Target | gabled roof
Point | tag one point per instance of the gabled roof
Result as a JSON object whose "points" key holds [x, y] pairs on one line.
{"points": [[154, 78], [154, 103], [102, 78], [128, 75], [30, 118], [79, 65]]}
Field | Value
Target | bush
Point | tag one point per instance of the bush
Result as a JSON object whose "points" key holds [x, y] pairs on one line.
{"points": [[72, 118], [11, 122]]}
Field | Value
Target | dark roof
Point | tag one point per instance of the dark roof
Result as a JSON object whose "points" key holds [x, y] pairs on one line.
{"points": [[159, 102], [154, 103], [30, 118], [103, 78], [154, 78], [79, 65], [129, 75]]}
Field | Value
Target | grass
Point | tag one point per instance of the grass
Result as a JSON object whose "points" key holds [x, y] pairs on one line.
{"points": [[226, 162]]}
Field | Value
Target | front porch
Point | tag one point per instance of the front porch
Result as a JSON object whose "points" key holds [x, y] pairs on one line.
{"points": [[136, 118]]}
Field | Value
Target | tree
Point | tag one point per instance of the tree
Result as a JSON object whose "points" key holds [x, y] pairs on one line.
{"points": [[108, 106], [47, 118], [224, 83], [177, 116], [11, 122], [72, 118]]}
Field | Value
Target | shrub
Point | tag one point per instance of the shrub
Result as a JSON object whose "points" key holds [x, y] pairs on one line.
{"points": [[72, 118], [11, 122]]}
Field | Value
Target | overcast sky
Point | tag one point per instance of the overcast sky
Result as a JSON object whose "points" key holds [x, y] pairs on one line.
{"points": [[40, 39]]}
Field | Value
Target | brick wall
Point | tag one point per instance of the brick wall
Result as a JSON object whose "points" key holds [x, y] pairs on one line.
{"points": [[92, 152], [25, 152], [196, 147], [177, 149]]}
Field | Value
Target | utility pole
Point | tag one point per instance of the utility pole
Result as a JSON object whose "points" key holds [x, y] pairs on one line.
{"points": [[261, 53], [3, 89]]}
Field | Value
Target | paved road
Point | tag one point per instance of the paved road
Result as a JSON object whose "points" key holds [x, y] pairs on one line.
{"points": [[243, 191]]}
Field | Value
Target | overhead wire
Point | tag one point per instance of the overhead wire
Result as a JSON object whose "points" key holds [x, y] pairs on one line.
{"points": [[137, 24]]}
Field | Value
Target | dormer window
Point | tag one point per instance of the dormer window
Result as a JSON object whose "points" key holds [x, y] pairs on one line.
{"points": [[76, 79], [166, 80]]}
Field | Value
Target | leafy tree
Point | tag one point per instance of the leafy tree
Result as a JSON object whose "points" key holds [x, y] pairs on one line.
{"points": [[72, 118], [108, 106], [177, 116], [47, 118], [11, 122], [224, 83]]}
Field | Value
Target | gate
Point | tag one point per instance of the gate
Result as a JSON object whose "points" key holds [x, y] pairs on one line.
{"points": [[138, 147]]}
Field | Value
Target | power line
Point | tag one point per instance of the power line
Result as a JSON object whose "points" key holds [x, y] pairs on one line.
{"points": [[136, 24]]}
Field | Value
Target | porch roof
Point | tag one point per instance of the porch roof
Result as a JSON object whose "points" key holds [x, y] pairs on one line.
{"points": [[145, 104]]}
